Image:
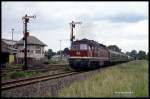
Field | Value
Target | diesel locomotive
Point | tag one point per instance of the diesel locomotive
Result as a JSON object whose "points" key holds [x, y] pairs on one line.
{"points": [[89, 54]]}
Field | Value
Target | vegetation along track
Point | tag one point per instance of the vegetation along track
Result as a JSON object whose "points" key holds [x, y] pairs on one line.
{"points": [[25, 81], [16, 83], [35, 67], [48, 68]]}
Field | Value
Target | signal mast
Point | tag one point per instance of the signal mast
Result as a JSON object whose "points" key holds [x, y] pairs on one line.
{"points": [[72, 24], [25, 21]]}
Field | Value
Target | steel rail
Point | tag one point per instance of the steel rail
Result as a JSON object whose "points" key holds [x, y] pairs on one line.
{"points": [[38, 69], [48, 66], [26, 81]]}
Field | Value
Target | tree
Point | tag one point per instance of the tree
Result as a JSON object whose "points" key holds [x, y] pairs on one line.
{"points": [[134, 54], [66, 51], [141, 55], [114, 48], [128, 53], [50, 53]]}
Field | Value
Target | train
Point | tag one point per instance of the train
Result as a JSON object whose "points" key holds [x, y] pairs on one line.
{"points": [[88, 54]]}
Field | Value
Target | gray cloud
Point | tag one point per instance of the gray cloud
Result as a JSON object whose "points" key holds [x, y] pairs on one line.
{"points": [[122, 17], [128, 17], [52, 22]]}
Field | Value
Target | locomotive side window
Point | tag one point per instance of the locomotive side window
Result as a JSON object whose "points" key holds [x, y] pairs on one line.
{"points": [[83, 47]]}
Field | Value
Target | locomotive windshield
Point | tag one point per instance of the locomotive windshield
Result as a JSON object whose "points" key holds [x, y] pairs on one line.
{"points": [[83, 46], [75, 47], [79, 47]]}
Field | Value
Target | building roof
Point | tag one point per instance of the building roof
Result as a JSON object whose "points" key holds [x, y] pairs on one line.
{"points": [[31, 40], [9, 42], [6, 48]]}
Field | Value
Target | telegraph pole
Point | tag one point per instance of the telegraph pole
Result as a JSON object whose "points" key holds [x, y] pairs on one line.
{"points": [[60, 50], [12, 40], [25, 21]]}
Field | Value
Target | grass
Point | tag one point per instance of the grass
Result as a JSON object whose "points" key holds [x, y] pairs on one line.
{"points": [[11, 66], [123, 80], [13, 74], [19, 74]]}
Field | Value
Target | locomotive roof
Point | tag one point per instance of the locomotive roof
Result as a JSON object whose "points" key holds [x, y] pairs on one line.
{"points": [[90, 42]]}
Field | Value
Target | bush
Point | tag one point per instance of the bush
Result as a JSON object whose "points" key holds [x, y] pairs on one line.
{"points": [[16, 74]]}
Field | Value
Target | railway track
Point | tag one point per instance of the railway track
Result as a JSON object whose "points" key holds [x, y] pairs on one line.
{"points": [[21, 82], [19, 69], [34, 67], [41, 69]]}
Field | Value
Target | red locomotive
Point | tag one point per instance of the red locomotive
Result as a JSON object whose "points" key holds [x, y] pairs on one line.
{"points": [[84, 53], [90, 54]]}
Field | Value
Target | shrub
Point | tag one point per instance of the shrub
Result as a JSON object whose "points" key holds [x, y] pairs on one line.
{"points": [[16, 74]]}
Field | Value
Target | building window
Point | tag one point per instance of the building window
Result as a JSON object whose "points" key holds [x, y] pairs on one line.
{"points": [[37, 47], [31, 51], [38, 51]]}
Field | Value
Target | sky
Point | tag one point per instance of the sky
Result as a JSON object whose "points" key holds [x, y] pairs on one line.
{"points": [[124, 24]]}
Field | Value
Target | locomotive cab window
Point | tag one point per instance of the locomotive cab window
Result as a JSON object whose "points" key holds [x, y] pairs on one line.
{"points": [[74, 47], [83, 47]]}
